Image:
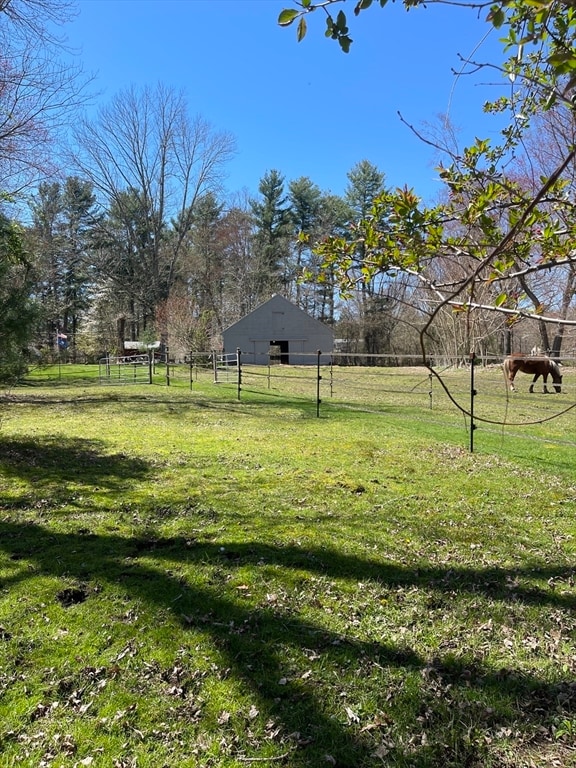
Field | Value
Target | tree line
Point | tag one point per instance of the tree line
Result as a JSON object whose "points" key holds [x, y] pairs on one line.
{"points": [[127, 233], [153, 264]]}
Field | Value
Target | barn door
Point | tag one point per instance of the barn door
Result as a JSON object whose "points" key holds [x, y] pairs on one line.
{"points": [[278, 352]]}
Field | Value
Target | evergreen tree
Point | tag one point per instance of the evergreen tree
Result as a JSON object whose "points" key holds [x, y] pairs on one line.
{"points": [[47, 208], [315, 216], [64, 219], [333, 217], [18, 312], [207, 255], [366, 182], [305, 202], [273, 224], [79, 221]]}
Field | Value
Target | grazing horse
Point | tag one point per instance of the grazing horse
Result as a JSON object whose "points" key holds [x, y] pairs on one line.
{"points": [[537, 366]]}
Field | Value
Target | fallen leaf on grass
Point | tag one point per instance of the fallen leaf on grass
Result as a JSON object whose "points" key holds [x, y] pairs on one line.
{"points": [[352, 716], [381, 752], [380, 721]]}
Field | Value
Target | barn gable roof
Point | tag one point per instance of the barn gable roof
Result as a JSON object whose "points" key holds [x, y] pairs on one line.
{"points": [[278, 303]]}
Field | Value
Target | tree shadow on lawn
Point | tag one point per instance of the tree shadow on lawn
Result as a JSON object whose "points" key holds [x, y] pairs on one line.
{"points": [[254, 639], [50, 462], [258, 404]]}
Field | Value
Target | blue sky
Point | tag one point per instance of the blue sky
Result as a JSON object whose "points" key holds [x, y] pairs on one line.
{"points": [[305, 109]]}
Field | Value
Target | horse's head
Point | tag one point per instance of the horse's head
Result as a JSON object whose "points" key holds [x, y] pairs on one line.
{"points": [[556, 376]]}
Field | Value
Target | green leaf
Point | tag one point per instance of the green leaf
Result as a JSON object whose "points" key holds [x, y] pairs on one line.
{"points": [[551, 100], [361, 6], [501, 299], [287, 16], [345, 43], [496, 16], [302, 29], [562, 58]]}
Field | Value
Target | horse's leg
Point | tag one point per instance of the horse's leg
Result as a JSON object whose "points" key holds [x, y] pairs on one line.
{"points": [[509, 376], [544, 380]]}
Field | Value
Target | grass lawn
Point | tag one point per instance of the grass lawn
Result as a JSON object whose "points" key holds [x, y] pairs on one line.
{"points": [[189, 579]]}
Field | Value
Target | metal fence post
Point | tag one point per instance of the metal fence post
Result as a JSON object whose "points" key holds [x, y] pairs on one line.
{"points": [[318, 380], [331, 375], [472, 396], [239, 367]]}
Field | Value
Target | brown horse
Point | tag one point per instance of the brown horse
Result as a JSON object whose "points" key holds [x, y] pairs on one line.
{"points": [[537, 366]]}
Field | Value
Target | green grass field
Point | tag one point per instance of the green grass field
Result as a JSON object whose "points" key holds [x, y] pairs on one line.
{"points": [[192, 579]]}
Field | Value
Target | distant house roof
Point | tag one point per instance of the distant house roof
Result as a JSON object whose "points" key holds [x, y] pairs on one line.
{"points": [[141, 345]]}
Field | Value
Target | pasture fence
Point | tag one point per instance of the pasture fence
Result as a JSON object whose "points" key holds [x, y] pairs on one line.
{"points": [[132, 369], [471, 391], [475, 389]]}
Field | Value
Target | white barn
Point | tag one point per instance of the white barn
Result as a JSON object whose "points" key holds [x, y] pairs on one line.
{"points": [[280, 332]]}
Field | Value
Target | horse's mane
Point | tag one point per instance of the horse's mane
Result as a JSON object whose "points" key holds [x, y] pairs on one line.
{"points": [[555, 366]]}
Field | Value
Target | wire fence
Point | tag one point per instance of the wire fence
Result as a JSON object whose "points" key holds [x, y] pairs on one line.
{"points": [[457, 392]]}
